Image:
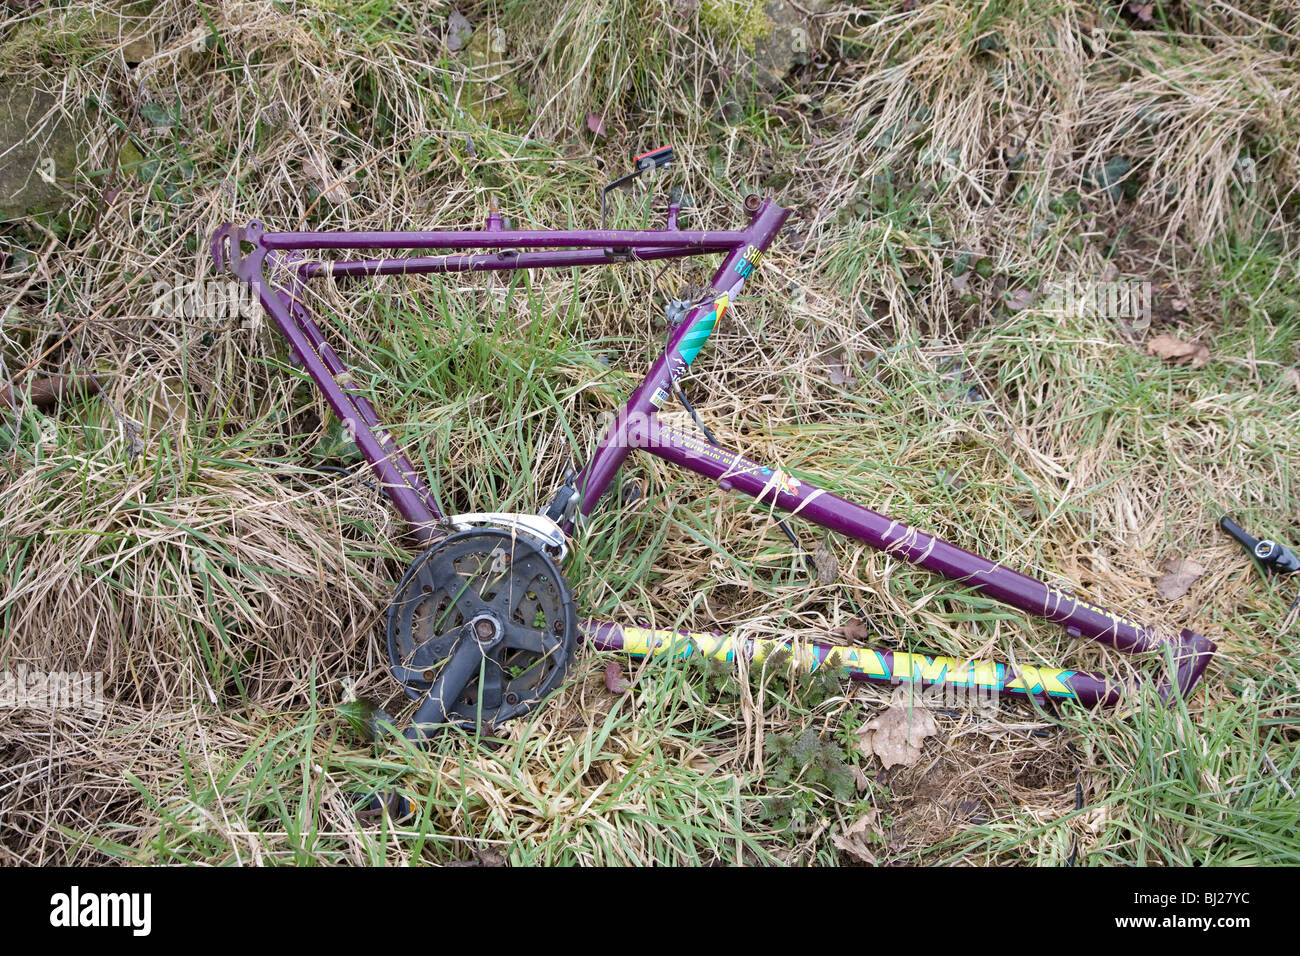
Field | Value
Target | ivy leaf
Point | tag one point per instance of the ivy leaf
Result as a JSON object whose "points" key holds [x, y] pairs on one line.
{"points": [[1111, 176]]}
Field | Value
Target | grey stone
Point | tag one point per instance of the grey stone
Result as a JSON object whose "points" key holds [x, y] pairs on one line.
{"points": [[786, 45], [40, 151]]}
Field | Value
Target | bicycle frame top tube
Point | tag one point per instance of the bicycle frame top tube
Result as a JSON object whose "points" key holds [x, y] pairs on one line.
{"points": [[507, 238]]}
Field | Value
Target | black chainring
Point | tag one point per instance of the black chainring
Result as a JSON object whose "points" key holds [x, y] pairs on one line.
{"points": [[487, 574]]}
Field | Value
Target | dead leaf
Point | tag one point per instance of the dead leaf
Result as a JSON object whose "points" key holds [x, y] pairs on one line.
{"points": [[898, 735], [615, 682], [856, 630], [860, 779], [332, 184], [971, 811], [1022, 298], [482, 858], [837, 373], [951, 479], [827, 565], [1292, 377], [1173, 349], [855, 839], [1180, 574], [458, 31]]}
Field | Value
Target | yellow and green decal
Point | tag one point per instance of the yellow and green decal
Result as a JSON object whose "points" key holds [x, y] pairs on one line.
{"points": [[749, 262], [913, 668], [700, 331]]}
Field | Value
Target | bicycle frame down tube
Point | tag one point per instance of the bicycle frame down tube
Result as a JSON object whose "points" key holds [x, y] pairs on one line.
{"points": [[783, 491], [281, 296], [683, 346]]}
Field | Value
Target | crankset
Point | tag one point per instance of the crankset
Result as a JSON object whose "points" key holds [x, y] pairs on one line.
{"points": [[481, 628]]}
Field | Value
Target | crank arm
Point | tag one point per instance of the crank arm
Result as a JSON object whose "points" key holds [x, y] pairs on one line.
{"points": [[471, 654]]}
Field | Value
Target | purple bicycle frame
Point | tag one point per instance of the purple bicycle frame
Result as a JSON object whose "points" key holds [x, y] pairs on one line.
{"points": [[273, 266]]}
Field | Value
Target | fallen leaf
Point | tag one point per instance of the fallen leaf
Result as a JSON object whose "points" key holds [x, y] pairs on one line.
{"points": [[971, 811], [130, 431], [458, 31], [897, 735], [1174, 349], [855, 839], [860, 779], [331, 183], [951, 479], [827, 565], [596, 123], [482, 858], [615, 682], [1180, 574], [1292, 377], [856, 630], [837, 373], [1022, 298]]}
